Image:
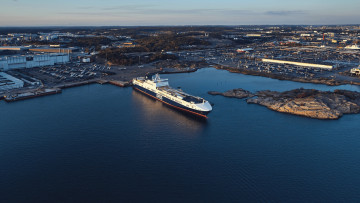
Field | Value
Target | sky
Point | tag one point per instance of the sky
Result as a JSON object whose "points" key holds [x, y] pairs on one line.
{"points": [[180, 12]]}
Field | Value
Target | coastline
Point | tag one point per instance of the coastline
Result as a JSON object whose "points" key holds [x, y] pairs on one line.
{"points": [[122, 81], [316, 104], [324, 81], [16, 93]]}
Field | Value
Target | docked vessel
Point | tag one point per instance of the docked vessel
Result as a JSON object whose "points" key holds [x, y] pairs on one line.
{"points": [[159, 89]]}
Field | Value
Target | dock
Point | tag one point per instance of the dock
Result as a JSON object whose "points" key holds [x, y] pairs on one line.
{"points": [[58, 89], [119, 83], [32, 94], [101, 82], [76, 84]]}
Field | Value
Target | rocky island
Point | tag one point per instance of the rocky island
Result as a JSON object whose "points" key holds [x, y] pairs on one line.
{"points": [[235, 93], [303, 102]]}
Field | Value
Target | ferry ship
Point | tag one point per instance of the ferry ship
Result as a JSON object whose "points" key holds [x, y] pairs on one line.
{"points": [[159, 89]]}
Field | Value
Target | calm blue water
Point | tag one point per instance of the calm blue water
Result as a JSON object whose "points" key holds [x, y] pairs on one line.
{"points": [[101, 143]]}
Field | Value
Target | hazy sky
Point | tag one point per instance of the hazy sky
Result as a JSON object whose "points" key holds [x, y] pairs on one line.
{"points": [[180, 12]]}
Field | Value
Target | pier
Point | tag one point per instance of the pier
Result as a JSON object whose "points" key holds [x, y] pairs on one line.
{"points": [[27, 94], [32, 94]]}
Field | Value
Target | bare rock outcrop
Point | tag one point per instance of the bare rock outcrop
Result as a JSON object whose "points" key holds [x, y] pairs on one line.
{"points": [[310, 103], [235, 93], [304, 102]]}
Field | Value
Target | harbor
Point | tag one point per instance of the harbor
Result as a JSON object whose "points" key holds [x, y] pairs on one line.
{"points": [[31, 94], [56, 59], [179, 101], [56, 77], [92, 132]]}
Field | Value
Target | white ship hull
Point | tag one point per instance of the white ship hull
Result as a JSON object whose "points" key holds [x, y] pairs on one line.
{"points": [[159, 89]]}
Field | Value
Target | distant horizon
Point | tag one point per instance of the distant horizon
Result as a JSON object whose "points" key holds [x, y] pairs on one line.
{"points": [[55, 26], [19, 13]]}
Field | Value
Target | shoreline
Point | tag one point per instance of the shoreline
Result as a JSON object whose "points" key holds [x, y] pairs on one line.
{"points": [[324, 81], [119, 83], [124, 83], [316, 104]]}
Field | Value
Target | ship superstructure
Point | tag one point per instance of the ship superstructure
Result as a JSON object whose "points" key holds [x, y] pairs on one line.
{"points": [[159, 89]]}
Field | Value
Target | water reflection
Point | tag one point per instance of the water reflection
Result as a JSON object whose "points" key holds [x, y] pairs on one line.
{"points": [[222, 80], [155, 112]]}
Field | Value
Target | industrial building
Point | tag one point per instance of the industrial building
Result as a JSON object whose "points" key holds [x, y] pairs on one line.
{"points": [[254, 35], [355, 71], [244, 50], [14, 48], [31, 61], [311, 65], [8, 82], [53, 50], [45, 49]]}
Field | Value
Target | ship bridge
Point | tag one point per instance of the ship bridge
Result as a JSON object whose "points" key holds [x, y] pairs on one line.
{"points": [[160, 82]]}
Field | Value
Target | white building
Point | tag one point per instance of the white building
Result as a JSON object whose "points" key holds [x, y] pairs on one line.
{"points": [[86, 60], [31, 61], [312, 65], [9, 82], [355, 71], [13, 48], [244, 50], [254, 35]]}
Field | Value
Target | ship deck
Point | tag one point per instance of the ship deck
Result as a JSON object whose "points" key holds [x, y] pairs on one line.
{"points": [[180, 94]]}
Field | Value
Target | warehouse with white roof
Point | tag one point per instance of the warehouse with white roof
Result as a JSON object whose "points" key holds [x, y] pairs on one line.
{"points": [[31, 61], [9, 82]]}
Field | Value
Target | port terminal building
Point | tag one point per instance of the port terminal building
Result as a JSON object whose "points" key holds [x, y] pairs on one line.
{"points": [[13, 48], [9, 82], [310, 65], [53, 50], [31, 61], [355, 71], [45, 49]]}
